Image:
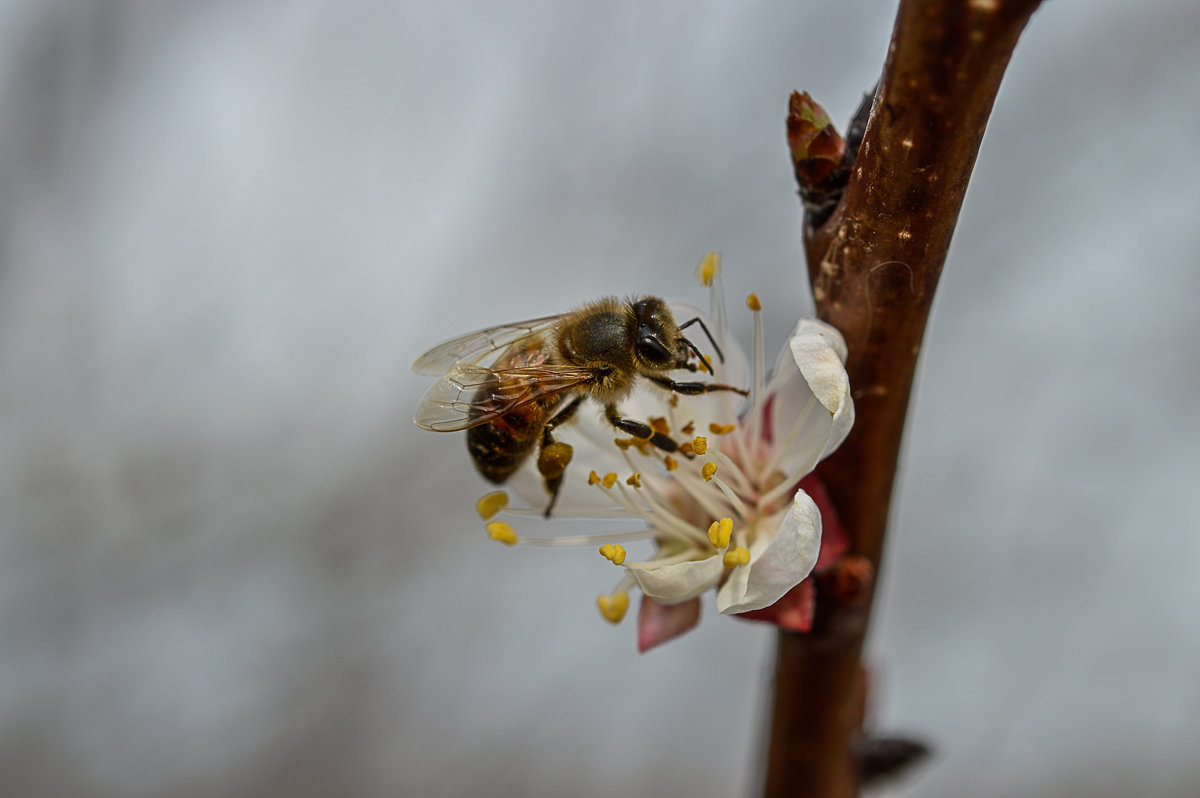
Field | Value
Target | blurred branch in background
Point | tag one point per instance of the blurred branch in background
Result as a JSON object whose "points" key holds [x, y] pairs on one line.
{"points": [[875, 254]]}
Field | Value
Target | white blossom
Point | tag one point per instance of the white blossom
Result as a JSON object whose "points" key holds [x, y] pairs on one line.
{"points": [[725, 512]]}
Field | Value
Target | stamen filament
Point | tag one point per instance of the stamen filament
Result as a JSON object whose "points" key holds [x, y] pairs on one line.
{"points": [[661, 516], [658, 516], [590, 540], [657, 507], [785, 488], [743, 509], [698, 490], [711, 266], [660, 508], [759, 392], [738, 479], [685, 555], [604, 512]]}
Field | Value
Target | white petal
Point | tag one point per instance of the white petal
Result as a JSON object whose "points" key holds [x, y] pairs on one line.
{"points": [[671, 584], [778, 563], [809, 327], [811, 408], [820, 354]]}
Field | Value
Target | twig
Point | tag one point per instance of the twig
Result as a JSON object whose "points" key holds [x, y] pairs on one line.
{"points": [[874, 264]]}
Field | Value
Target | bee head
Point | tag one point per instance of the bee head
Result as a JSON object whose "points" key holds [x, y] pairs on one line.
{"points": [[658, 342]]}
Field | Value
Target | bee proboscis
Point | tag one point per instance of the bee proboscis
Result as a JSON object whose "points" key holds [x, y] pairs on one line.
{"points": [[511, 385]]}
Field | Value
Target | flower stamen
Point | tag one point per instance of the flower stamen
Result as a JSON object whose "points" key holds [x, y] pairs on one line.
{"points": [[742, 508], [658, 513], [613, 553], [492, 503], [719, 532], [575, 541], [613, 606], [738, 478], [502, 532], [739, 556], [758, 390]]}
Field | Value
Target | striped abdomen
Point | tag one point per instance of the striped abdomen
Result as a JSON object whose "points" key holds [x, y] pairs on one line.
{"points": [[502, 444]]}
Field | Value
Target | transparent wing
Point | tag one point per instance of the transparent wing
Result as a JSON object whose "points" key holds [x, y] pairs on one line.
{"points": [[475, 346], [469, 395]]}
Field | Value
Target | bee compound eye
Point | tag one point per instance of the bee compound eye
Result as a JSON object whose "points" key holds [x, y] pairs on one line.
{"points": [[652, 350]]}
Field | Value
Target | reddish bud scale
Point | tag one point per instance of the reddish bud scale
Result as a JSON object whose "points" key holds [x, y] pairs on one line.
{"points": [[819, 155]]}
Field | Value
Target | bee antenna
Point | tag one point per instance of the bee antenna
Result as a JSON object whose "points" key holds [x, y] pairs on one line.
{"points": [[703, 326], [703, 360]]}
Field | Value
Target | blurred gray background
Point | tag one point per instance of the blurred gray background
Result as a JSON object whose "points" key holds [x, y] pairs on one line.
{"points": [[230, 564]]}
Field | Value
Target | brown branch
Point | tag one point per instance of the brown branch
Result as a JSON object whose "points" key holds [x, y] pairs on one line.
{"points": [[874, 265]]}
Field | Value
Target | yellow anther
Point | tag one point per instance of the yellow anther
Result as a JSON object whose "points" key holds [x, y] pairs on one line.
{"points": [[721, 429], [753, 303], [613, 552], [635, 479], [593, 478], [498, 530], [686, 448], [609, 480], [659, 424], [739, 556], [709, 266], [708, 470], [719, 532], [700, 445], [670, 463], [613, 607], [688, 428], [491, 504]]}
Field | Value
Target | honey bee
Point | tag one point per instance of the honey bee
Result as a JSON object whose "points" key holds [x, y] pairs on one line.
{"points": [[511, 386]]}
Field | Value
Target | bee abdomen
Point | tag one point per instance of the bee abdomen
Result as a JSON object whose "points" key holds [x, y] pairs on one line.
{"points": [[496, 451]]}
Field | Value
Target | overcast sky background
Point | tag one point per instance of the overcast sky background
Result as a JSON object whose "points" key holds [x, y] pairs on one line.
{"points": [[230, 564]]}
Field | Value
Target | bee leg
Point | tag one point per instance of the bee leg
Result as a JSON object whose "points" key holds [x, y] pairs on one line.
{"points": [[639, 430], [694, 388], [553, 456]]}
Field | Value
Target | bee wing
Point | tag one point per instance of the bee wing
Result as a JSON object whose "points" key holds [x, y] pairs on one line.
{"points": [[475, 346], [456, 403]]}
